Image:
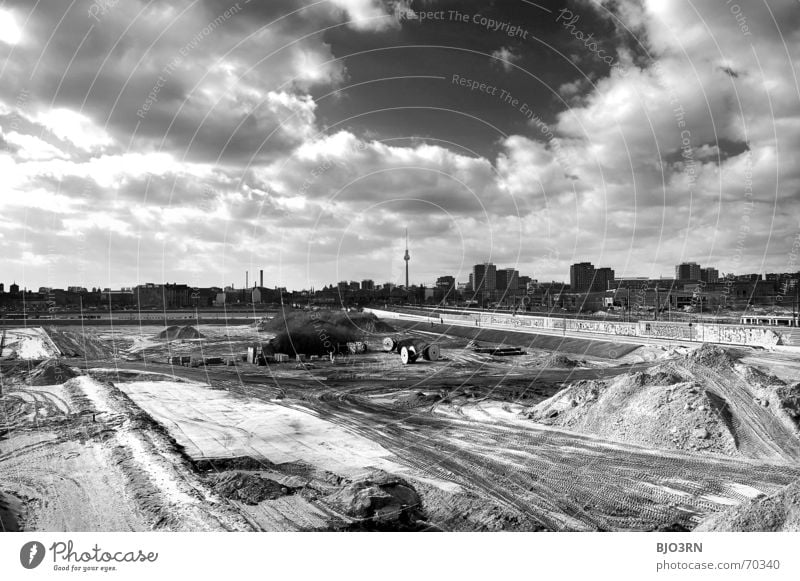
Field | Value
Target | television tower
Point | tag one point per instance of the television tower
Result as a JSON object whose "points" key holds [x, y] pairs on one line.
{"points": [[407, 257]]}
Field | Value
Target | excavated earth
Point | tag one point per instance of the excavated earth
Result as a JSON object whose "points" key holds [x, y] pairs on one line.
{"points": [[588, 440]]}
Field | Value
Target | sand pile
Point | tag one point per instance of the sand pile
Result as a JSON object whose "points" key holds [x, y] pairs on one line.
{"points": [[51, 372], [779, 512], [175, 332], [655, 409], [781, 398], [713, 357]]}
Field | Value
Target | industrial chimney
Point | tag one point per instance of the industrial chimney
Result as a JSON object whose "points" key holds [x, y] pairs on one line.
{"points": [[262, 278]]}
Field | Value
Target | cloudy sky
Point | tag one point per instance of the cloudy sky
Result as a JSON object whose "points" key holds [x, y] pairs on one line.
{"points": [[192, 140]]}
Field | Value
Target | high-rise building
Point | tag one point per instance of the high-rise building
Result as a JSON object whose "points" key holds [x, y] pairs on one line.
{"points": [[581, 276], [709, 274], [584, 277], [484, 277], [507, 279], [603, 277], [687, 271], [367, 284]]}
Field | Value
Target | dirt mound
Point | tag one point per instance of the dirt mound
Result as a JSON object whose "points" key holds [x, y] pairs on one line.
{"points": [[320, 332], [10, 512], [771, 392], [559, 360], [656, 377], [713, 356], [419, 398], [80, 344], [779, 512], [247, 487], [789, 398], [646, 409], [379, 501], [175, 332], [51, 372]]}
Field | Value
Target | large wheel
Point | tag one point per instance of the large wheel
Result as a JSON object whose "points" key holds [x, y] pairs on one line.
{"points": [[389, 344], [408, 355], [431, 353]]}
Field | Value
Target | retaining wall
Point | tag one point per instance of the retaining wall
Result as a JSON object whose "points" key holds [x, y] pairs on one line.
{"points": [[697, 332]]}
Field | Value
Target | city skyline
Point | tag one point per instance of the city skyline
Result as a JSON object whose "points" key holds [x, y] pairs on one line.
{"points": [[700, 277], [305, 145]]}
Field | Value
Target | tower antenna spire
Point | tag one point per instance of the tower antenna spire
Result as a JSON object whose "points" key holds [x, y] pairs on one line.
{"points": [[407, 257]]}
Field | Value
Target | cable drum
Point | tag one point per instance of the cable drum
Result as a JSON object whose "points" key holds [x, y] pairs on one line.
{"points": [[408, 354], [431, 353]]}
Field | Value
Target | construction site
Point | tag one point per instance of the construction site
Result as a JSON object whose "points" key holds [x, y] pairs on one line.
{"points": [[338, 420]]}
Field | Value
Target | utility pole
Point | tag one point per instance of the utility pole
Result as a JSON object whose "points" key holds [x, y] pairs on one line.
{"points": [[658, 305], [628, 304]]}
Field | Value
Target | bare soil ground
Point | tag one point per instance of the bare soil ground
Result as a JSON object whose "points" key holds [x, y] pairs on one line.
{"points": [[465, 443], [779, 512]]}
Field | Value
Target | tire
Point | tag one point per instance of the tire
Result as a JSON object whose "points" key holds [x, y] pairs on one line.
{"points": [[408, 355], [431, 353], [389, 344]]}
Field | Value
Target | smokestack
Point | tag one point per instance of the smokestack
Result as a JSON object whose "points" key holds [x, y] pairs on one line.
{"points": [[262, 278], [246, 279]]}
